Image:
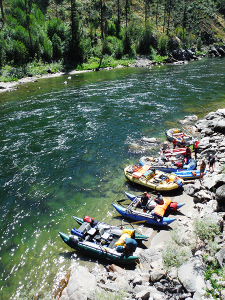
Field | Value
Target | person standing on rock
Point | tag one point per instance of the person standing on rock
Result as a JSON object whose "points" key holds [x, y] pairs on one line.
{"points": [[202, 169], [174, 143], [182, 143], [188, 153], [165, 146], [196, 148], [211, 163]]}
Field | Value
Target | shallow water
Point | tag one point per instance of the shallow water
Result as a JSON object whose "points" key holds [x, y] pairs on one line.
{"points": [[63, 150]]}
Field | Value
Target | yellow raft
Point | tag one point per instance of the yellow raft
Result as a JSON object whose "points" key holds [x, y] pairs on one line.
{"points": [[151, 178]]}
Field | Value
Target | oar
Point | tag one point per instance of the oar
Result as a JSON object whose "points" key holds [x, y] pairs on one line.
{"points": [[119, 201], [139, 222]]}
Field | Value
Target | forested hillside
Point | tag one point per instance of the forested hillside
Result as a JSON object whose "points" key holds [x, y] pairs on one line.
{"points": [[77, 31]]}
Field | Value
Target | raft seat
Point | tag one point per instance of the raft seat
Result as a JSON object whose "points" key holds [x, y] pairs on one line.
{"points": [[91, 231]]}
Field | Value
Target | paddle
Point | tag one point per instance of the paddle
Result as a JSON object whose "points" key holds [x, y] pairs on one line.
{"points": [[138, 222], [122, 200]]}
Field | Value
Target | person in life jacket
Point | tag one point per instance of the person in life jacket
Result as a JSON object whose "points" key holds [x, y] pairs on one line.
{"points": [[196, 148], [174, 143], [188, 153]]}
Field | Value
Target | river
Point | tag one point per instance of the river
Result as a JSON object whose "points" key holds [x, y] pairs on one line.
{"points": [[63, 148]]}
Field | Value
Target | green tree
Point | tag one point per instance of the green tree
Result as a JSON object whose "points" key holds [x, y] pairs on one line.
{"points": [[20, 53], [76, 51], [57, 47]]}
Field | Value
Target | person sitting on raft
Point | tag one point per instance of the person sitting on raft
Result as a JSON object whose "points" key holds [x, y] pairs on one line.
{"points": [[159, 199]]}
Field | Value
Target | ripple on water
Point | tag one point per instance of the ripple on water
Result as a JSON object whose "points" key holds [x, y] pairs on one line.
{"points": [[63, 150]]}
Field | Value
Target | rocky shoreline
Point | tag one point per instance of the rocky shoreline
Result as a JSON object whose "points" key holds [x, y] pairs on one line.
{"points": [[151, 278]]}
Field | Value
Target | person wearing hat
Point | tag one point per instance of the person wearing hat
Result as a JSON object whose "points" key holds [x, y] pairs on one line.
{"points": [[144, 199]]}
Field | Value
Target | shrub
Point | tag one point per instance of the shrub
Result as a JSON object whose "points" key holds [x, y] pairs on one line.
{"points": [[199, 43], [20, 53], [205, 229], [162, 44], [175, 255], [47, 49], [115, 46], [145, 41], [56, 47], [111, 28]]}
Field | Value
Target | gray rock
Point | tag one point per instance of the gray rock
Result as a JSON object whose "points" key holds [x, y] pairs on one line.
{"points": [[222, 293], [137, 280], [156, 275], [191, 274], [220, 192], [144, 295], [81, 284], [220, 126], [220, 257], [151, 257], [189, 189]]}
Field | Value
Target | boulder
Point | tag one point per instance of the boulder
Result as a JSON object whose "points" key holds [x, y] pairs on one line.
{"points": [[149, 140], [81, 284], [144, 295], [220, 126], [191, 275], [151, 257], [156, 275], [188, 119], [220, 192], [220, 257]]}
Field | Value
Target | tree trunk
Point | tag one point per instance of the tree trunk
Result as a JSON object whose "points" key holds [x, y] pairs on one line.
{"points": [[156, 15], [169, 10], [2, 11], [28, 28]]}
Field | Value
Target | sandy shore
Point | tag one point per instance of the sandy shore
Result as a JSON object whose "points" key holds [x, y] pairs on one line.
{"points": [[162, 234]]}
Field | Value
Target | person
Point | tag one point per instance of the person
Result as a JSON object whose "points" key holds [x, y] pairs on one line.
{"points": [[188, 153], [165, 146], [211, 163], [182, 143], [159, 199], [196, 148], [144, 200], [202, 169], [174, 143]]}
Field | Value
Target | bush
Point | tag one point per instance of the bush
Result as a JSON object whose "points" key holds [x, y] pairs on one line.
{"points": [[145, 41], [162, 44], [111, 28], [205, 229], [175, 255], [199, 44], [115, 46], [47, 49], [56, 47], [20, 53]]}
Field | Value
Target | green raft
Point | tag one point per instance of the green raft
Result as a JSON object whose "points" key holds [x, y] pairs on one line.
{"points": [[103, 241]]}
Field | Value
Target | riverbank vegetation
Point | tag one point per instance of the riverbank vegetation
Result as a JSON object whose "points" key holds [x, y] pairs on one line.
{"points": [[62, 34]]}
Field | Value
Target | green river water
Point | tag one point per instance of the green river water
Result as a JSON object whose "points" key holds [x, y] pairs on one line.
{"points": [[63, 149]]}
